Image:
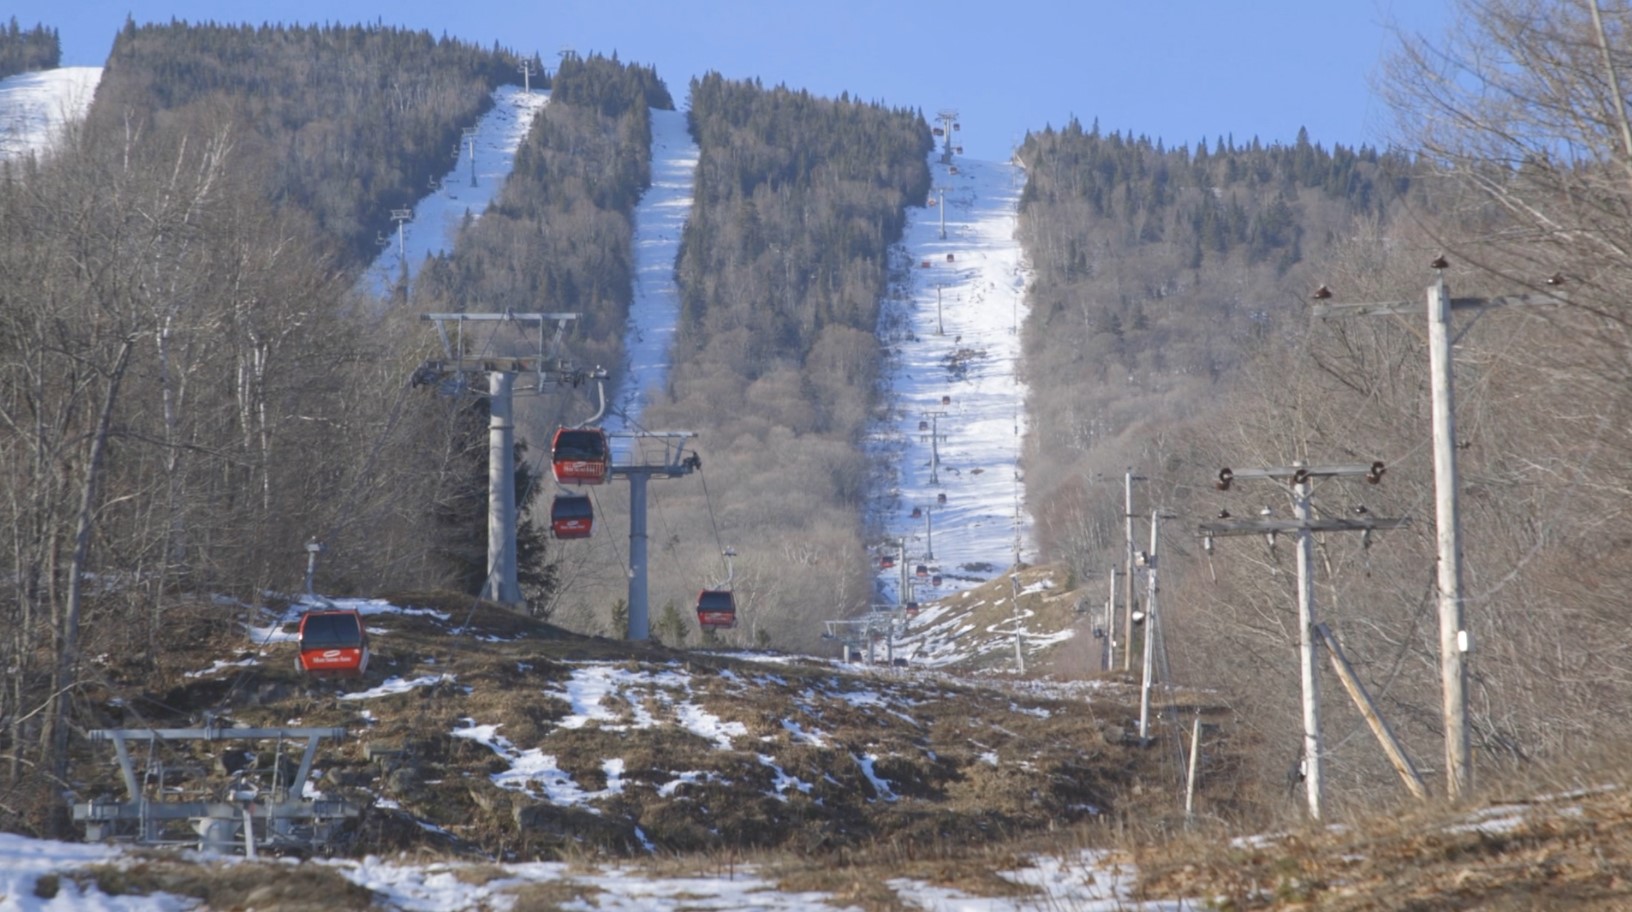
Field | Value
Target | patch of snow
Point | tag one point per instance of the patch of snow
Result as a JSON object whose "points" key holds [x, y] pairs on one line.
{"points": [[36, 106], [866, 762], [396, 685], [813, 737]]}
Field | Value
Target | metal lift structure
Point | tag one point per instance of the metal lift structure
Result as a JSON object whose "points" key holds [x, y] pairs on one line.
{"points": [[256, 808]]}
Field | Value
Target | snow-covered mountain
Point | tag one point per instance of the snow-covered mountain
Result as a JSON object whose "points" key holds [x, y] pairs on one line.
{"points": [[34, 107]]}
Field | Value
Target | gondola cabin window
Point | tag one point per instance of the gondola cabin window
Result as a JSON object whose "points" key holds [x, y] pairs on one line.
{"points": [[716, 609], [333, 644], [580, 456]]}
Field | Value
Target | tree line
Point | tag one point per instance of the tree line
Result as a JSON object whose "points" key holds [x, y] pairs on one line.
{"points": [[347, 121], [22, 50]]}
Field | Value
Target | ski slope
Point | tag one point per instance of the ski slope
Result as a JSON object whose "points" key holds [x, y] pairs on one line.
{"points": [[956, 406], [466, 189], [35, 106], [660, 218]]}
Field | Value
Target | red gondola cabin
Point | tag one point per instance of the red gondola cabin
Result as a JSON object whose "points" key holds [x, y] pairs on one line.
{"points": [[581, 456], [922, 570], [716, 609], [571, 516], [886, 562], [333, 644]]}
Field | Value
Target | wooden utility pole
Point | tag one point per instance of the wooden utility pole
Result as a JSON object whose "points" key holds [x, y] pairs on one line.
{"points": [[1150, 561], [1019, 626], [1303, 525], [1127, 568], [1454, 641], [1108, 654]]}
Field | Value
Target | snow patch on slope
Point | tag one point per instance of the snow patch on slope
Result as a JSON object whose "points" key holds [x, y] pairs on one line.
{"points": [[35, 106]]}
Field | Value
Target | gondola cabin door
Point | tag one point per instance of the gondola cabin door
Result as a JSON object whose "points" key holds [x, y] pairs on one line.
{"points": [[716, 609], [580, 456], [333, 644], [571, 516]]}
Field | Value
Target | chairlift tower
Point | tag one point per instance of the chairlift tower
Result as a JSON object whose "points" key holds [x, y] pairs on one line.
{"points": [[671, 461], [935, 445], [949, 122], [526, 68], [460, 373], [470, 143], [401, 217]]}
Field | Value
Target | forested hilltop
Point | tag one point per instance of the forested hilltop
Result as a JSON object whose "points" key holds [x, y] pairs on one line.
{"points": [[1157, 272], [339, 124]]}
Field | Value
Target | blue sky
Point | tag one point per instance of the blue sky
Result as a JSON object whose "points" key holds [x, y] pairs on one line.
{"points": [[1177, 70]]}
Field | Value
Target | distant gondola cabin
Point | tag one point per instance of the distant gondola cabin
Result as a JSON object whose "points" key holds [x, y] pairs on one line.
{"points": [[922, 570], [716, 609], [571, 516], [917, 512], [581, 456], [333, 644], [886, 562], [935, 580]]}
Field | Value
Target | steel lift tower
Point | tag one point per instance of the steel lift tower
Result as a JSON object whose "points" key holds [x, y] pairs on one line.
{"points": [[461, 373]]}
